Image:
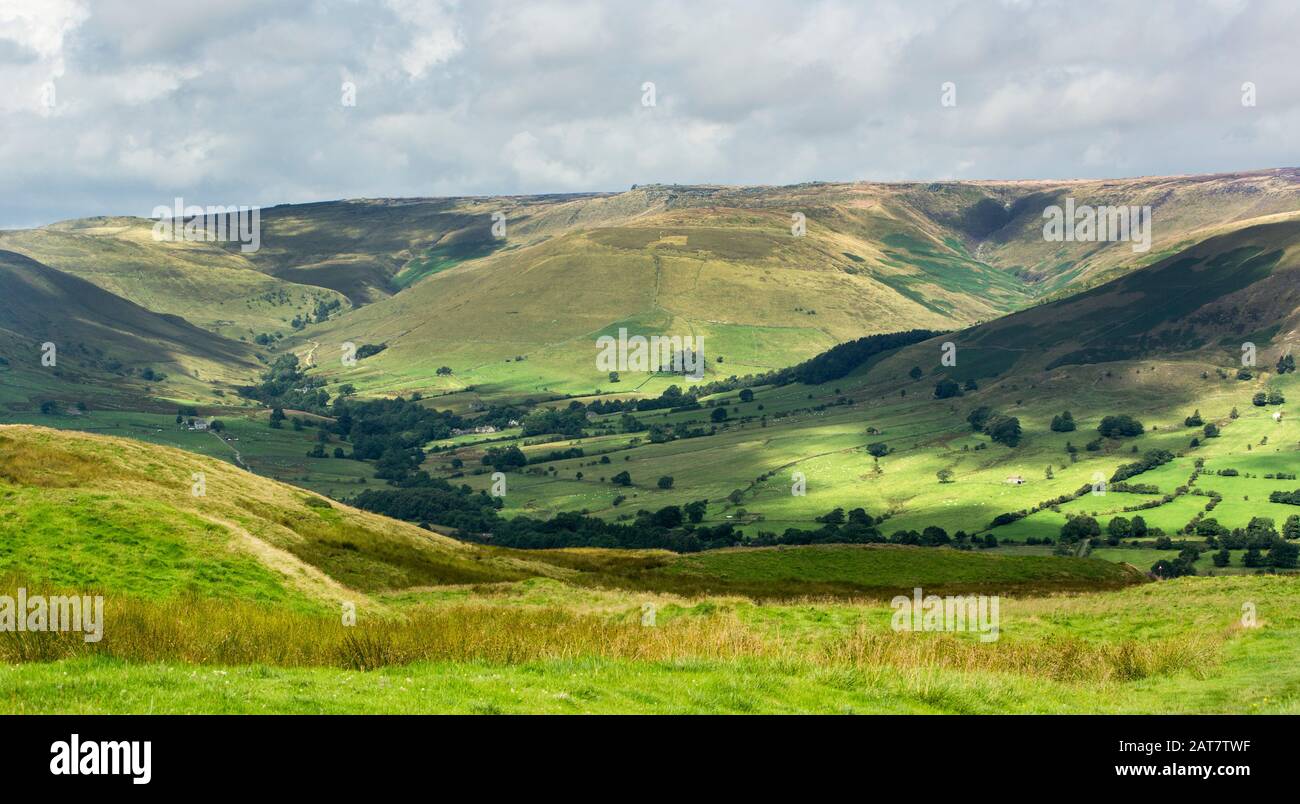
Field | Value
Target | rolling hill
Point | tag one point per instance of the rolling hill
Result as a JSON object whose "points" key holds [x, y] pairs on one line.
{"points": [[105, 346], [722, 263], [514, 310], [214, 289]]}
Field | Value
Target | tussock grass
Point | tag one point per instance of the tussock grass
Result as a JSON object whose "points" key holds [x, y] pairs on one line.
{"points": [[208, 632], [1055, 658], [202, 631]]}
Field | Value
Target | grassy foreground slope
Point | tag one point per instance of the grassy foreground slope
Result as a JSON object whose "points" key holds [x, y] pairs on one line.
{"points": [[1182, 646], [80, 510]]}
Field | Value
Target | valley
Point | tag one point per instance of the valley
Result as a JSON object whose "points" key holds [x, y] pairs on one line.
{"points": [[391, 407]]}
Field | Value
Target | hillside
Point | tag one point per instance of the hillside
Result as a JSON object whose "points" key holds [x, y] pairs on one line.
{"points": [[214, 289], [1159, 344], [105, 345], [122, 516], [722, 263]]}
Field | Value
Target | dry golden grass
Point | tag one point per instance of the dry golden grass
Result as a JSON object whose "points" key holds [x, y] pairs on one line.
{"points": [[201, 631], [1061, 659]]}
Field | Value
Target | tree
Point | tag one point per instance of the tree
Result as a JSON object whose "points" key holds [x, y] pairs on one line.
{"points": [[277, 418], [979, 417], [833, 517], [1005, 430], [218, 425], [622, 479], [695, 510], [915, 373], [878, 450], [665, 482], [1211, 430], [1138, 527], [1049, 475], [946, 389], [746, 395], [944, 475], [443, 371], [718, 415], [1063, 423], [1166, 569], [1194, 420], [49, 407], [1252, 558], [1122, 426], [1120, 528], [1234, 414], [613, 376], [1283, 555], [1259, 400], [1222, 558], [503, 459], [970, 385], [1079, 527], [1291, 529]]}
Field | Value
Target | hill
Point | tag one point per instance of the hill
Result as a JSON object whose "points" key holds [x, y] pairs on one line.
{"points": [[105, 346], [213, 288], [722, 263]]}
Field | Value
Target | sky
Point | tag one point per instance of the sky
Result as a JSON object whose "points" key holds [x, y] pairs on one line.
{"points": [[119, 106]]}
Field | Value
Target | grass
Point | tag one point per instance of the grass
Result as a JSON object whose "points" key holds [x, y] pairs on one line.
{"points": [[1179, 646]]}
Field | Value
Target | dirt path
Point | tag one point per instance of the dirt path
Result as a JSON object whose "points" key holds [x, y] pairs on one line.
{"points": [[301, 575], [239, 459]]}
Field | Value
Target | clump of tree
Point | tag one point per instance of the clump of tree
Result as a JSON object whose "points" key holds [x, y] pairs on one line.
{"points": [[839, 360], [1121, 426], [947, 389], [1001, 429], [1063, 423]]}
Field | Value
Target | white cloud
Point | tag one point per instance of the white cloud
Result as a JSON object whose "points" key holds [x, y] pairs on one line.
{"points": [[239, 101]]}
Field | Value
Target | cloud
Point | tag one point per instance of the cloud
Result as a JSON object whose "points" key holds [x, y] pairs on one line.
{"points": [[240, 101]]}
